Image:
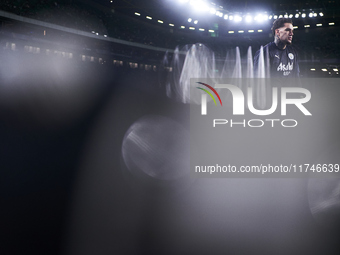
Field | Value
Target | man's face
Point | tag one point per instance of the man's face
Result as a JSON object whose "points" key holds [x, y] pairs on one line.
{"points": [[285, 33]]}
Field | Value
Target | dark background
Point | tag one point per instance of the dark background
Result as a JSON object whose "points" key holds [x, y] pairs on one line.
{"points": [[64, 187]]}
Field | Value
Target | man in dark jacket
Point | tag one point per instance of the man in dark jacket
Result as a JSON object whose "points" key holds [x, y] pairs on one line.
{"points": [[283, 57]]}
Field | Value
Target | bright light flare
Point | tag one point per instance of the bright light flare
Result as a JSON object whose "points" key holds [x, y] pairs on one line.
{"points": [[199, 5], [238, 18], [212, 11]]}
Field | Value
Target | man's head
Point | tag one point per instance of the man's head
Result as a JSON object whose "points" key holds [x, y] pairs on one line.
{"points": [[283, 30]]}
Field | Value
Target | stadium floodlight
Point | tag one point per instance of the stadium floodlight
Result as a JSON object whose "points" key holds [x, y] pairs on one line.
{"points": [[105, 35], [311, 15], [331, 24], [241, 31], [211, 31], [335, 70], [321, 14], [137, 13], [312, 69], [190, 19], [231, 17], [307, 25], [182, 27], [212, 10], [148, 17], [160, 21], [260, 30], [319, 25], [303, 15], [191, 28], [315, 14], [265, 17], [286, 16], [324, 69], [259, 18], [249, 18], [295, 27], [171, 25], [226, 16], [275, 16], [250, 31], [231, 32], [238, 18], [220, 14], [291, 16], [281, 16], [196, 21], [199, 5], [270, 16], [201, 29], [297, 15]]}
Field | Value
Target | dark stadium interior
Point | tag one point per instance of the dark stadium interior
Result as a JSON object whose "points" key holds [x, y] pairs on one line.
{"points": [[75, 75]]}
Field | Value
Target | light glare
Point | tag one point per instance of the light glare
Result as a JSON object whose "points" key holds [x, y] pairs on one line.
{"points": [[238, 18], [248, 18], [212, 11]]}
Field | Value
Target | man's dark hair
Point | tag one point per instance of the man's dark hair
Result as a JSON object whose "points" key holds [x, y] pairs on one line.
{"points": [[280, 23]]}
